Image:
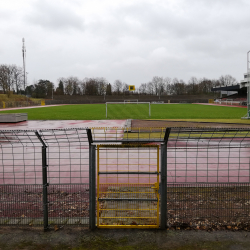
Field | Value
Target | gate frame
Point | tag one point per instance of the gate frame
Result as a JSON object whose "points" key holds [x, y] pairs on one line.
{"points": [[156, 185], [92, 174]]}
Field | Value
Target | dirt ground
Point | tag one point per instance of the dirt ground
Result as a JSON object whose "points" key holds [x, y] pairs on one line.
{"points": [[102, 239]]}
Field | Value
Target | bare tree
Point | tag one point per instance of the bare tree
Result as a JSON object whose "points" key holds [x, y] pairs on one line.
{"points": [[101, 85], [16, 74], [150, 88], [117, 86], [91, 86], [178, 87], [157, 84], [83, 86], [124, 87], [227, 80], [205, 85], [215, 82], [167, 85], [161, 86], [6, 78], [143, 88], [71, 85], [192, 87]]}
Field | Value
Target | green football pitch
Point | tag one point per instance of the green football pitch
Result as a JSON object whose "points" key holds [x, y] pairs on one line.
{"points": [[158, 111]]}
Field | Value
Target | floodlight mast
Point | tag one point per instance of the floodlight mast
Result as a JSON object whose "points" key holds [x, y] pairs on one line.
{"points": [[247, 116], [248, 87]]}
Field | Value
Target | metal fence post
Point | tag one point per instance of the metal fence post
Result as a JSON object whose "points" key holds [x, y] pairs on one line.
{"points": [[163, 186], [164, 179], [92, 187], [45, 183], [45, 191], [92, 184]]}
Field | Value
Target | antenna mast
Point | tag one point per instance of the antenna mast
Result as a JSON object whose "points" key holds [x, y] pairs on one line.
{"points": [[24, 59]]}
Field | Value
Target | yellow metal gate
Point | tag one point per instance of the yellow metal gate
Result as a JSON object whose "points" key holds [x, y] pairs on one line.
{"points": [[128, 186]]}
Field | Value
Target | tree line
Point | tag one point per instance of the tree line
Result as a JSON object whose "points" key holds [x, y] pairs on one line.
{"points": [[100, 86], [167, 86], [12, 79]]}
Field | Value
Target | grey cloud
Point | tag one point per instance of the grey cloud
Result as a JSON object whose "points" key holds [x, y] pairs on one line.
{"points": [[203, 33], [4, 15], [131, 40], [155, 21], [211, 27], [54, 15]]}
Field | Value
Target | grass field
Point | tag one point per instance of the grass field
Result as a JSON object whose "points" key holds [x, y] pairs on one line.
{"points": [[158, 111]]}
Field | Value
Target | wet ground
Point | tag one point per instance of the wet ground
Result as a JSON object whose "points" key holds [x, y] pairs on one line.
{"points": [[103, 239], [61, 124]]}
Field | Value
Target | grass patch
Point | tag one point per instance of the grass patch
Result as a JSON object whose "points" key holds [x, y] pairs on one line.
{"points": [[12, 98], [158, 111], [65, 112], [194, 111], [126, 111]]}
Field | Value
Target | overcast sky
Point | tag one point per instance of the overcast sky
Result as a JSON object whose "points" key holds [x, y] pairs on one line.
{"points": [[130, 40]]}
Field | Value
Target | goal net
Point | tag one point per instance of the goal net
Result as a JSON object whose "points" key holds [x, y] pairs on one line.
{"points": [[128, 110]]}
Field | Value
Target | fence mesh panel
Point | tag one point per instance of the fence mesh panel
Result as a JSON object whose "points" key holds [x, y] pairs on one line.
{"points": [[209, 206], [67, 155], [205, 156], [21, 205], [21, 158], [68, 204], [208, 173]]}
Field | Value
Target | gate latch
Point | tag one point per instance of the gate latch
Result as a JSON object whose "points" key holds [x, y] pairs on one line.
{"points": [[156, 187]]}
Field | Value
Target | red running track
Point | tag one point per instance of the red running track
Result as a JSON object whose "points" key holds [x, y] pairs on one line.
{"points": [[213, 160]]}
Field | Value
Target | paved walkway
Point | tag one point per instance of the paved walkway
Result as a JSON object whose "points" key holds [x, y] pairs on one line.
{"points": [[216, 104], [61, 124], [29, 107]]}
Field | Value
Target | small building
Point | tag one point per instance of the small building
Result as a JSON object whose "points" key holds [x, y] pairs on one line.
{"points": [[239, 89]]}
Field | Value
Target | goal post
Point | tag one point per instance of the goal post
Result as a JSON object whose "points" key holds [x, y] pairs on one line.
{"points": [[128, 110], [131, 101]]}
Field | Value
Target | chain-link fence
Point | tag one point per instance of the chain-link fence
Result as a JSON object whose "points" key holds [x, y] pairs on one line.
{"points": [[18, 104], [45, 174]]}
